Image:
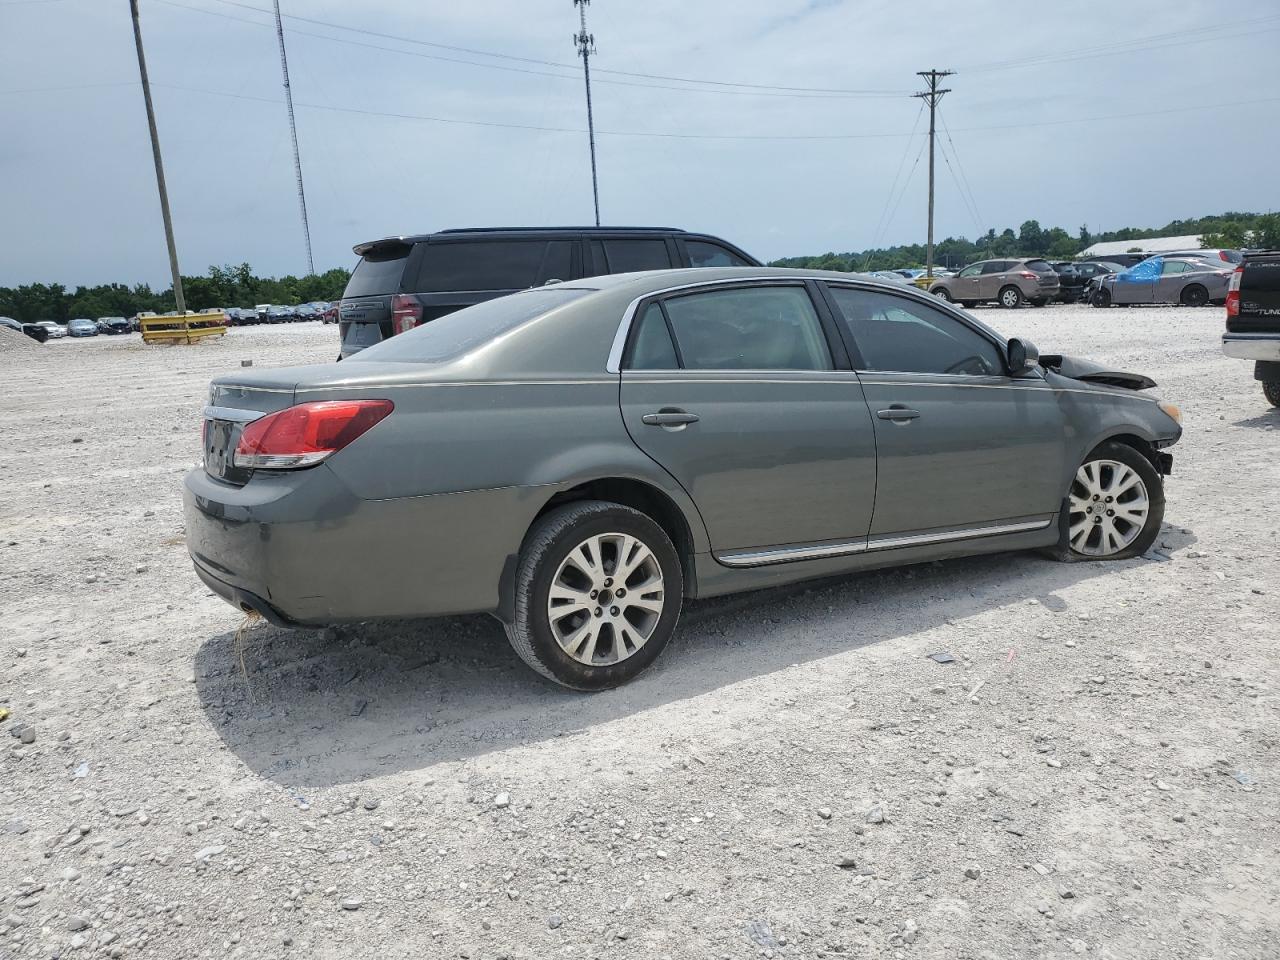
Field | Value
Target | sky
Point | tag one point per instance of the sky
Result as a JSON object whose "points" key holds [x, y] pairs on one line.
{"points": [[797, 139]]}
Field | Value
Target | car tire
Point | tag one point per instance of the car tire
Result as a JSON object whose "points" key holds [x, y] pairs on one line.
{"points": [[943, 294], [1271, 390], [1010, 297], [1194, 295], [1090, 529], [1101, 298], [561, 646]]}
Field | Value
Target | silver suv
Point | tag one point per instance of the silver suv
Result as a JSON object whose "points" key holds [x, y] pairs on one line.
{"points": [[1009, 283]]}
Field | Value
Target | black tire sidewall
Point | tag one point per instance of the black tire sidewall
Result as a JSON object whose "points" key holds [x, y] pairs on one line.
{"points": [[1195, 296], [942, 294], [1130, 457], [1271, 390], [563, 668]]}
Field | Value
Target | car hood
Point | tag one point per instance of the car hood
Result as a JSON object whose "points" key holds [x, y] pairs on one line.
{"points": [[1087, 371]]}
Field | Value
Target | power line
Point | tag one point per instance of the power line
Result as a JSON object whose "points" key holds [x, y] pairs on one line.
{"points": [[968, 205], [553, 63], [972, 200], [536, 73], [893, 185], [705, 136]]}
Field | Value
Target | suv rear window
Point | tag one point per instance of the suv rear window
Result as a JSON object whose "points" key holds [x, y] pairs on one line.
{"points": [[379, 271], [493, 265]]}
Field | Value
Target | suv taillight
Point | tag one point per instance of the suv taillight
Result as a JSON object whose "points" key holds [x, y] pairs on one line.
{"points": [[406, 313], [1028, 275], [306, 434], [1233, 292]]}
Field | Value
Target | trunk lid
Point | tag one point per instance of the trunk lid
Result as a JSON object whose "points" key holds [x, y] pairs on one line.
{"points": [[1259, 295]]}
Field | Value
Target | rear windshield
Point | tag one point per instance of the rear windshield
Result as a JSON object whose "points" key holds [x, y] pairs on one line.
{"points": [[1039, 266], [379, 271], [456, 334]]}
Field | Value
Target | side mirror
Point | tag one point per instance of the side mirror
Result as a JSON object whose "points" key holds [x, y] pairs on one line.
{"points": [[1023, 357]]}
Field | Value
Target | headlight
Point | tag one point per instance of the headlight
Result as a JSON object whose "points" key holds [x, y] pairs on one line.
{"points": [[1172, 409]]}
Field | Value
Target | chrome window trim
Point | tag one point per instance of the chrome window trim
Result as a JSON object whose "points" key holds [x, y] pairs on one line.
{"points": [[759, 558], [232, 414]]}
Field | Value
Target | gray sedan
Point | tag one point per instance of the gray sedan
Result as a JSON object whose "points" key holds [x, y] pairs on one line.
{"points": [[1190, 281], [580, 458]]}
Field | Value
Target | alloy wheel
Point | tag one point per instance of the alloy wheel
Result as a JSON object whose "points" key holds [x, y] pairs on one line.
{"points": [[1010, 298], [1108, 506], [606, 599]]}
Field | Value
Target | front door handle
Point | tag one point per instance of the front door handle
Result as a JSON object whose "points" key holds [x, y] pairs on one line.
{"points": [[669, 417], [898, 413]]}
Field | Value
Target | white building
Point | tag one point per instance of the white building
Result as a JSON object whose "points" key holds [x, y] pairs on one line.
{"points": [[1152, 246]]}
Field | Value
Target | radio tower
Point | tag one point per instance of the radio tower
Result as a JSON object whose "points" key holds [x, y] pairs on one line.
{"points": [[293, 132], [586, 46]]}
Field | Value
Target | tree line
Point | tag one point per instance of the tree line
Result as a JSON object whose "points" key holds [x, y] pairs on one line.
{"points": [[1229, 230], [229, 286]]}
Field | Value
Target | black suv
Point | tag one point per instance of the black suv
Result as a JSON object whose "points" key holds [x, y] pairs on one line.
{"points": [[402, 282], [1253, 319]]}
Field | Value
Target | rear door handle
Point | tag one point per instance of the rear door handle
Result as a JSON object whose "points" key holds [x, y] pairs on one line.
{"points": [[669, 418], [898, 413]]}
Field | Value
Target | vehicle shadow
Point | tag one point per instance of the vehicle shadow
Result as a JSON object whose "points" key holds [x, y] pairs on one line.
{"points": [[1268, 420], [325, 708]]}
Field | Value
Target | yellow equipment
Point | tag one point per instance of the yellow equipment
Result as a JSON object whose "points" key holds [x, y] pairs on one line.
{"points": [[182, 328]]}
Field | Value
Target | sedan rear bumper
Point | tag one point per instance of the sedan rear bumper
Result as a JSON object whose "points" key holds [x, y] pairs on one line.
{"points": [[302, 549], [1252, 346]]}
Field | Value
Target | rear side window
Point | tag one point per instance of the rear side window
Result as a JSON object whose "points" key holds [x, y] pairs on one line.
{"points": [[994, 266], [653, 349], [379, 271], [702, 253], [627, 256], [492, 265], [753, 328]]}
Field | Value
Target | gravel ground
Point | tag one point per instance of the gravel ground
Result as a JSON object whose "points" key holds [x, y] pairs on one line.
{"points": [[1095, 775]]}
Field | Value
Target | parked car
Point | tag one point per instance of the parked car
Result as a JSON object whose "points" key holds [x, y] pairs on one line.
{"points": [[1215, 254], [1189, 281], [891, 276], [304, 311], [577, 459], [261, 310], [403, 282], [1126, 260], [1009, 283], [32, 330], [1253, 319], [82, 327], [56, 330], [1074, 278], [330, 313], [280, 314], [113, 325]]}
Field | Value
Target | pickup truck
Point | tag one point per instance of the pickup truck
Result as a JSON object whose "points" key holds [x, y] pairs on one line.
{"points": [[1253, 319]]}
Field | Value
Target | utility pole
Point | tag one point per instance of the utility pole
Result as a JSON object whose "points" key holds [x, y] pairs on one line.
{"points": [[586, 45], [293, 132], [179, 299], [931, 97]]}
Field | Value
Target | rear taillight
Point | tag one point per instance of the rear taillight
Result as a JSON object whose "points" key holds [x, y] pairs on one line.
{"points": [[304, 435], [1028, 275], [406, 313], [1233, 292]]}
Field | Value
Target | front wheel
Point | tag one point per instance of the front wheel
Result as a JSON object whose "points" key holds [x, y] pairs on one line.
{"points": [[1115, 506], [1101, 298], [942, 293], [598, 592], [1271, 390], [1010, 297]]}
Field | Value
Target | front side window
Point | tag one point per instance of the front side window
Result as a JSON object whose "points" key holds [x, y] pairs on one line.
{"points": [[628, 256], [749, 328], [899, 335], [972, 271], [705, 254]]}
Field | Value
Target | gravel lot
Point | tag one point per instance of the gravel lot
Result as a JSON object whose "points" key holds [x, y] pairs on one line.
{"points": [[1095, 775]]}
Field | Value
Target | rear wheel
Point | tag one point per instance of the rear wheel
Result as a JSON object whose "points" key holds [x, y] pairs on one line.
{"points": [[598, 593], [1271, 390], [943, 293], [1115, 506], [1195, 296], [1010, 297], [1101, 298]]}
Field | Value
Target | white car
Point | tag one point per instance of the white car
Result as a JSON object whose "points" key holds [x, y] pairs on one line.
{"points": [[56, 330]]}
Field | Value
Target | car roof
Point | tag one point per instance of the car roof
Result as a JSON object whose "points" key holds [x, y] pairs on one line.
{"points": [[521, 233]]}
